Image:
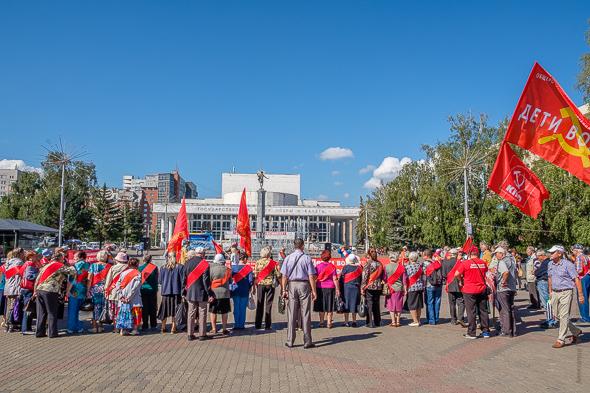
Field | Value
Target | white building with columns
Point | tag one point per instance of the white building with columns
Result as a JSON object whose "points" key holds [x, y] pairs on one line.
{"points": [[287, 215]]}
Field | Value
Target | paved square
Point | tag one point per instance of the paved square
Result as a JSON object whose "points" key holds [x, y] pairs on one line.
{"points": [[405, 359]]}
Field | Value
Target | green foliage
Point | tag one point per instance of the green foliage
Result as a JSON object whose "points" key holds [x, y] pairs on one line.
{"points": [[107, 219], [584, 75]]}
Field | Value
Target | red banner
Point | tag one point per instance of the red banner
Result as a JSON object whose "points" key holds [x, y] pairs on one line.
{"points": [[243, 225], [547, 123], [180, 231], [90, 255], [512, 180]]}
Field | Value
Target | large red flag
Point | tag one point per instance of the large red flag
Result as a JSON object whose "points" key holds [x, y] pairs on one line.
{"points": [[180, 231], [243, 225], [218, 248], [512, 180], [547, 123], [467, 245]]}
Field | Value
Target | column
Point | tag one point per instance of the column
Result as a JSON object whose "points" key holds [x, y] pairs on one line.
{"points": [[350, 232], [344, 233], [170, 227], [162, 231]]}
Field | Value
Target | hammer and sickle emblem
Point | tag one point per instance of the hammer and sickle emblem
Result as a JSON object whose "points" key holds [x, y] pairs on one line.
{"points": [[582, 150], [519, 178]]}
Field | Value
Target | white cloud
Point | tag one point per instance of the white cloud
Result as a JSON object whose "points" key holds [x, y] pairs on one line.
{"points": [[335, 173], [386, 172], [336, 153], [346, 195], [19, 164], [338, 183], [367, 169]]}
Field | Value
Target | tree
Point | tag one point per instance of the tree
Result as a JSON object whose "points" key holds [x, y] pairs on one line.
{"points": [[106, 216], [132, 223]]}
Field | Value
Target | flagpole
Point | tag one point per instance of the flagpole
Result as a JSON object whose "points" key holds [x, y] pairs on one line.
{"points": [[468, 228]]}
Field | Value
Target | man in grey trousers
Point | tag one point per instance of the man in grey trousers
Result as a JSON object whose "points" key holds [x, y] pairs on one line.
{"points": [[299, 287]]}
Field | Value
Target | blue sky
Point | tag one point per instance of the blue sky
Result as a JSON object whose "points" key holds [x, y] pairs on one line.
{"points": [[144, 86]]}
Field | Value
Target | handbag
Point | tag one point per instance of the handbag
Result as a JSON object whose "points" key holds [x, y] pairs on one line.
{"points": [[362, 311], [251, 302], [105, 315], [340, 305], [386, 290], [87, 305], [282, 305], [181, 316]]}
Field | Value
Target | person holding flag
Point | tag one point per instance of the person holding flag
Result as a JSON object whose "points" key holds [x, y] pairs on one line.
{"points": [[242, 280], [198, 293], [397, 282], [327, 289], [267, 276], [471, 276], [350, 284]]}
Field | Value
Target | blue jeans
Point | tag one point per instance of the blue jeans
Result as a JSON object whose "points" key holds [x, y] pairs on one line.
{"points": [[25, 295], [74, 314], [543, 289], [433, 295], [584, 309], [240, 305]]}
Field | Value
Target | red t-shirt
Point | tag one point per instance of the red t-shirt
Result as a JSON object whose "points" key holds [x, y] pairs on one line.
{"points": [[473, 278]]}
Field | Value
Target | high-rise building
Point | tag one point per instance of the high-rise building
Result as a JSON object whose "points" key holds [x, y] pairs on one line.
{"points": [[7, 178]]}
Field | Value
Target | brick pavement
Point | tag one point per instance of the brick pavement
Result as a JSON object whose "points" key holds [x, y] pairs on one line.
{"points": [[425, 359]]}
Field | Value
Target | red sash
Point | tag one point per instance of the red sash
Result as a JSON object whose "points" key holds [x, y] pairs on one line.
{"points": [[49, 270], [196, 273], [415, 277], [375, 275], [266, 271], [82, 276], [147, 271], [327, 272], [128, 278], [451, 275], [395, 276], [219, 282], [114, 282], [239, 276], [434, 266], [13, 271], [101, 276], [348, 277]]}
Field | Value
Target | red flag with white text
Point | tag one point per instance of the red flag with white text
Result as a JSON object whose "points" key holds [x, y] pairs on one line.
{"points": [[512, 180], [547, 123]]}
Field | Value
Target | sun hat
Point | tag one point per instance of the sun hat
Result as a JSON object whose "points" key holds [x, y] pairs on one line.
{"points": [[122, 257], [500, 249]]}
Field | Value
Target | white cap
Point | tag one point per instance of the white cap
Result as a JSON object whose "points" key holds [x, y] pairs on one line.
{"points": [[557, 248], [219, 258], [500, 249], [352, 259]]}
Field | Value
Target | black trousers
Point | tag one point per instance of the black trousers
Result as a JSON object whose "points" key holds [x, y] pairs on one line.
{"points": [[150, 309], [507, 313], [533, 295], [473, 303], [47, 313], [373, 297], [456, 306], [265, 295]]}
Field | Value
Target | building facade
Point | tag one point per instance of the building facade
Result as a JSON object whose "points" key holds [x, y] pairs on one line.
{"points": [[7, 178], [287, 215]]}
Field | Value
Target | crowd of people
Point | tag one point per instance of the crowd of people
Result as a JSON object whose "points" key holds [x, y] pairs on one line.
{"points": [[123, 292]]}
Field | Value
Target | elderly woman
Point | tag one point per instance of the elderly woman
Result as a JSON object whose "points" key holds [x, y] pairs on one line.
{"points": [[350, 283], [29, 273], [12, 273], [372, 287], [171, 280], [113, 276], [77, 293], [327, 289], [415, 290], [267, 276], [48, 291], [220, 280], [242, 279], [97, 274], [396, 280], [128, 290]]}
